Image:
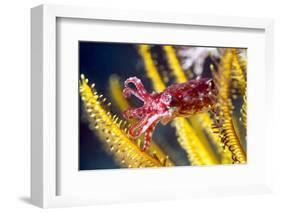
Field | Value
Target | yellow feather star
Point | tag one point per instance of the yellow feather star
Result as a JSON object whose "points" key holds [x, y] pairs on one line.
{"points": [[194, 133], [199, 154], [125, 151], [229, 136], [202, 119], [122, 103]]}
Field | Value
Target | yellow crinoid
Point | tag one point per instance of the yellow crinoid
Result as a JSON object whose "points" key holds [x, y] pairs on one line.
{"points": [[209, 138]]}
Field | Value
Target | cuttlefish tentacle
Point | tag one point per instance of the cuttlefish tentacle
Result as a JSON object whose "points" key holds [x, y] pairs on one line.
{"points": [[140, 91], [148, 135], [177, 100], [134, 112], [137, 129]]}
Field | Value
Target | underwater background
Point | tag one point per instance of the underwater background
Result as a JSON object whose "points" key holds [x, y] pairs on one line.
{"points": [[106, 64]]}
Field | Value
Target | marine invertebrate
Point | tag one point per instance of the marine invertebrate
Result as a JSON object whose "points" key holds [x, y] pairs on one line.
{"points": [[195, 57], [199, 154], [109, 128], [208, 135], [177, 100], [225, 108], [117, 96], [201, 123]]}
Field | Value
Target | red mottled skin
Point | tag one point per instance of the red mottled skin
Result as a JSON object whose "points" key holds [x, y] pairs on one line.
{"points": [[177, 100]]}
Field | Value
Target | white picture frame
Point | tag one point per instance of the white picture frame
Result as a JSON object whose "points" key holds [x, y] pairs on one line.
{"points": [[44, 148]]}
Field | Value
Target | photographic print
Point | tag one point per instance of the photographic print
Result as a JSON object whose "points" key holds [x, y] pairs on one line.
{"points": [[152, 105]]}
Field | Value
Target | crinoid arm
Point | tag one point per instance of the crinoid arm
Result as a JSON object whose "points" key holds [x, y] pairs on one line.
{"points": [[113, 134]]}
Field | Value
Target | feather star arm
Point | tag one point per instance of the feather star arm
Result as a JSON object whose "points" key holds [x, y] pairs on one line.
{"points": [[109, 130], [186, 140]]}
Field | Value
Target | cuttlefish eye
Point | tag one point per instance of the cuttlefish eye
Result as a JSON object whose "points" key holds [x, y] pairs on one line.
{"points": [[166, 98]]}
